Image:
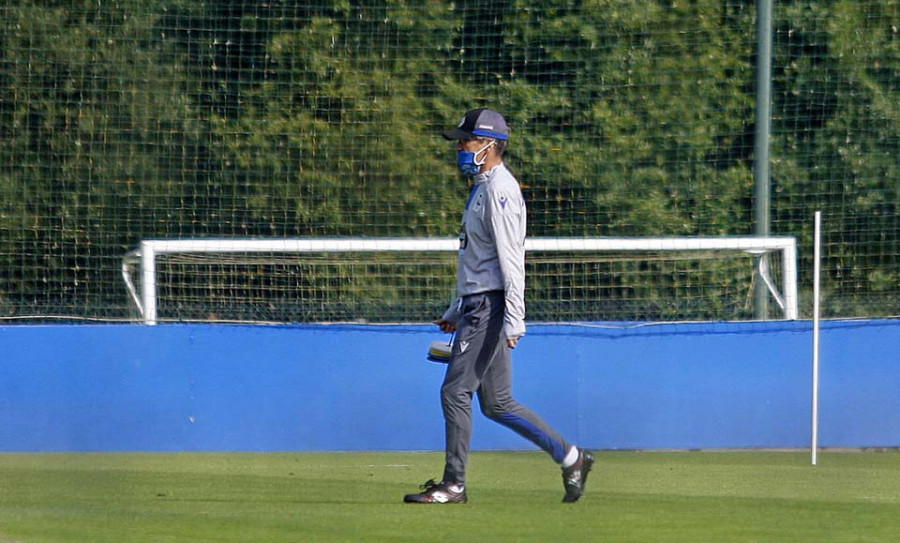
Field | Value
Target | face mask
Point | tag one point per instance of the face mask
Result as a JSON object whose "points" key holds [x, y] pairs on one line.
{"points": [[468, 162]]}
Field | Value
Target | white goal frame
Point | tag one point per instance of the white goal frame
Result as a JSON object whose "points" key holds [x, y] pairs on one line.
{"points": [[145, 256]]}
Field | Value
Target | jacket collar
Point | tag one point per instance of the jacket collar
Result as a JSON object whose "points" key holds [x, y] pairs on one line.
{"points": [[484, 176]]}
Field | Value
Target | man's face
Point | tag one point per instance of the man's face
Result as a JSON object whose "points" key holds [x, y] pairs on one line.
{"points": [[473, 145]]}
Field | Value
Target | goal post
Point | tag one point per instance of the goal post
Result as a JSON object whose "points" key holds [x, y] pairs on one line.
{"points": [[565, 265]]}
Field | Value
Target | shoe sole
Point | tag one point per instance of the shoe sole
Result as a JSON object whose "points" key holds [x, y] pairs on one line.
{"points": [[416, 499]]}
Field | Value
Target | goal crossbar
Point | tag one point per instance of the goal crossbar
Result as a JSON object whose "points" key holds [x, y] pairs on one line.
{"points": [[145, 298]]}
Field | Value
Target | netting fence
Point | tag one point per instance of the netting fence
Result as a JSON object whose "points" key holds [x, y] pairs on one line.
{"points": [[180, 119]]}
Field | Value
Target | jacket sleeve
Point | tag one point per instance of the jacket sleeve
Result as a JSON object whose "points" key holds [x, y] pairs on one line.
{"points": [[454, 312], [506, 213]]}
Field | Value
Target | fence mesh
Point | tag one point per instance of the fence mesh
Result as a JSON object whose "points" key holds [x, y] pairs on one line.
{"points": [[139, 119]]}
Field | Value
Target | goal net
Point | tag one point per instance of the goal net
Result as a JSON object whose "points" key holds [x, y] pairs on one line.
{"points": [[387, 280]]}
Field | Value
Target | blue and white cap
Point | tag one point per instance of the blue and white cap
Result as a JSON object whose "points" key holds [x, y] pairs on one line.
{"points": [[486, 123]]}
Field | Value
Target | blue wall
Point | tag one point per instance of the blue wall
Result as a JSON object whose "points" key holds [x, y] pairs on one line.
{"points": [[356, 387]]}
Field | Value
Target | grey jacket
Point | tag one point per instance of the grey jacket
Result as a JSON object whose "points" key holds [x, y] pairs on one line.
{"points": [[492, 247]]}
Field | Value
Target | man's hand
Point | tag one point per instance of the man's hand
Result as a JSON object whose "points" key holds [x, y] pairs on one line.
{"points": [[446, 326], [512, 342]]}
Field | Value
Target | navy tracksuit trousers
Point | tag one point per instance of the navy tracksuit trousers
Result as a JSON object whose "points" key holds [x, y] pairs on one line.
{"points": [[481, 363]]}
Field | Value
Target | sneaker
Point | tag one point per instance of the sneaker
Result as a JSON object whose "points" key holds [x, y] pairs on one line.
{"points": [[575, 477], [433, 492]]}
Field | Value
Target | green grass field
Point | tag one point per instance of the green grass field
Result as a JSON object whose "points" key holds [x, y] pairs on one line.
{"points": [[353, 497]]}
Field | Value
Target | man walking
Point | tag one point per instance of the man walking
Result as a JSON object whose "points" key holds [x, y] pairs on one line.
{"points": [[489, 316]]}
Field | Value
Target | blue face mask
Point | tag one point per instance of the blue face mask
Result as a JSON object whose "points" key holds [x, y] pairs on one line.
{"points": [[465, 160], [468, 162]]}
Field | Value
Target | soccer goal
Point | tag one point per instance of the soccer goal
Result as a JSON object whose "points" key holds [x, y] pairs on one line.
{"points": [[388, 280]]}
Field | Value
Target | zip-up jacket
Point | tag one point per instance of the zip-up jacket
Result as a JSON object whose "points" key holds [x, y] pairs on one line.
{"points": [[492, 247]]}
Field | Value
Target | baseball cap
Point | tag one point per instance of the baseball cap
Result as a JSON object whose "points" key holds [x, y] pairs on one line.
{"points": [[480, 122]]}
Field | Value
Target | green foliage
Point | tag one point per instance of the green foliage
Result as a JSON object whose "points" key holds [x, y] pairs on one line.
{"points": [[180, 118]]}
